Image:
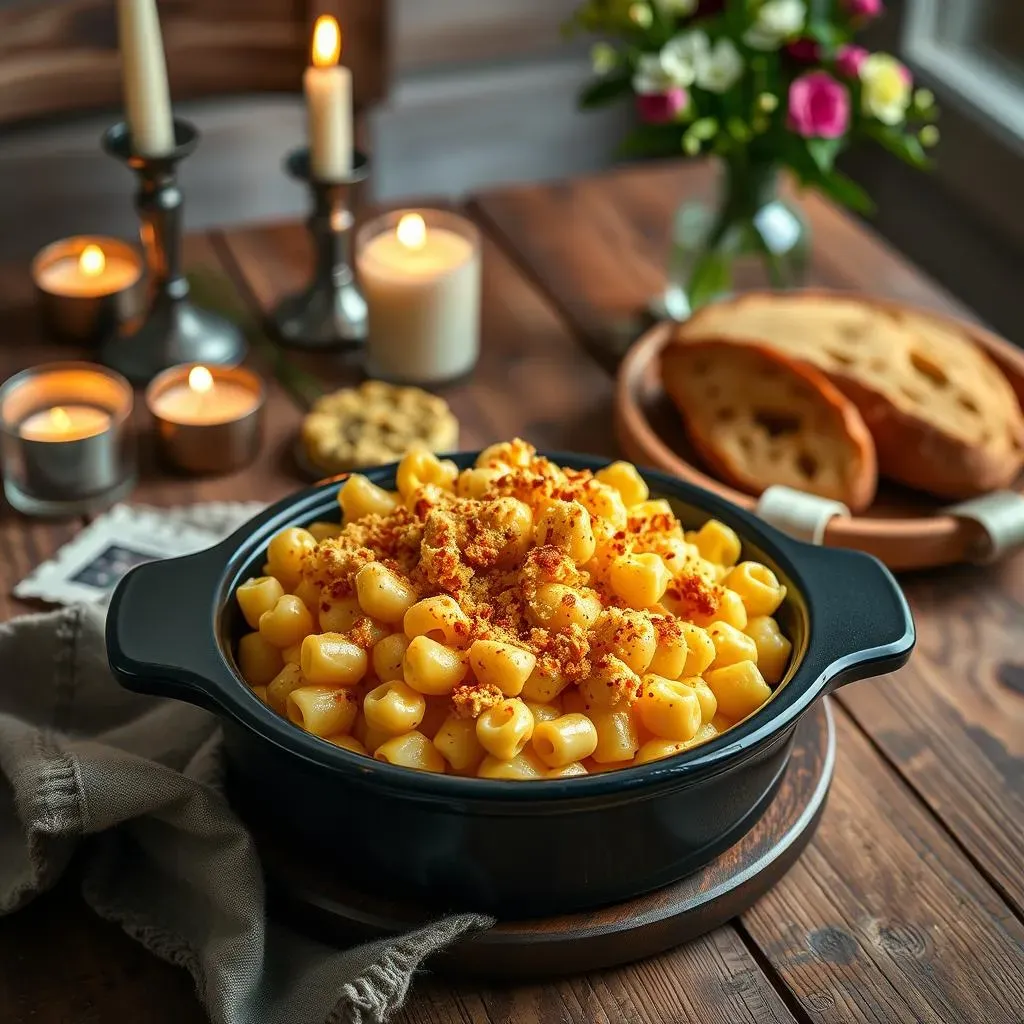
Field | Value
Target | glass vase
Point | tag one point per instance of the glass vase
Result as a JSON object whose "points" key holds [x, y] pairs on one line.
{"points": [[746, 238]]}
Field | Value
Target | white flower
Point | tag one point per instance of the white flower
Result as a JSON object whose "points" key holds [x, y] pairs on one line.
{"points": [[650, 77], [675, 8], [777, 20], [682, 55], [720, 68]]}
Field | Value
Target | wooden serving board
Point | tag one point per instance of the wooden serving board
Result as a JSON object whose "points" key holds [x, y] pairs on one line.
{"points": [[304, 891], [904, 528]]}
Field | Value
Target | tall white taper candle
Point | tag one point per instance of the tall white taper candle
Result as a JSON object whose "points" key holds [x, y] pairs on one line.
{"points": [[144, 76], [328, 88]]}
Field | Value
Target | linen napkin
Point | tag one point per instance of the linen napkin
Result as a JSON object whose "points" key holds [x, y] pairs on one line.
{"points": [[166, 858]]}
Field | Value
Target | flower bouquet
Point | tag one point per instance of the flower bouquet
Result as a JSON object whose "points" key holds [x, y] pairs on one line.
{"points": [[761, 85]]}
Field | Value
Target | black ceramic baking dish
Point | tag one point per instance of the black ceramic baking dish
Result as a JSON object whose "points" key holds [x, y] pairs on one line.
{"points": [[511, 848]]}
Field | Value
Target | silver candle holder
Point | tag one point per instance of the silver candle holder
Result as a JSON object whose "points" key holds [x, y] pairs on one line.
{"points": [[330, 313], [173, 330]]}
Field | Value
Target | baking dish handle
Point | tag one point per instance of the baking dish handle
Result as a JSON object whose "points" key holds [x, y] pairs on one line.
{"points": [[861, 624], [162, 627]]}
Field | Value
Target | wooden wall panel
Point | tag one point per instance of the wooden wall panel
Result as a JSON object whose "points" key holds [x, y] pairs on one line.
{"points": [[431, 33], [60, 57]]}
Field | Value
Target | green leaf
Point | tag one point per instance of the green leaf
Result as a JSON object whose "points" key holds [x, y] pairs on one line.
{"points": [[711, 277], [605, 90], [907, 147], [649, 140], [823, 152], [839, 187], [705, 128], [826, 35], [738, 129]]}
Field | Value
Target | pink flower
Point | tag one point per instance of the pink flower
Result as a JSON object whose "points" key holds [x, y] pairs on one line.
{"points": [[849, 59], [865, 8], [805, 50], [662, 107], [819, 106]]}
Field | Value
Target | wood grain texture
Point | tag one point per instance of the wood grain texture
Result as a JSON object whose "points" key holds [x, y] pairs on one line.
{"points": [[884, 919], [714, 980], [527, 354], [58, 57], [953, 722], [950, 723], [598, 246], [63, 965]]}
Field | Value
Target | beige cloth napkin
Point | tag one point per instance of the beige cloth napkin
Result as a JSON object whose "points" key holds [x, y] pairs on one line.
{"points": [[166, 857]]}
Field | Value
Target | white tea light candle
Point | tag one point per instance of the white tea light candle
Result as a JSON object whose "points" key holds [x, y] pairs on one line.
{"points": [[420, 273], [86, 286], [328, 88], [202, 400], [90, 273], [208, 418], [65, 423], [147, 98]]}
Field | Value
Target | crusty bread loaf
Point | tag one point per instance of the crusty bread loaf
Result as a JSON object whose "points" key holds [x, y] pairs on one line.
{"points": [[759, 418], [943, 417]]}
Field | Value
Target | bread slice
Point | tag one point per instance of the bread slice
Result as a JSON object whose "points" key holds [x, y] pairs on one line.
{"points": [[760, 418], [943, 417]]}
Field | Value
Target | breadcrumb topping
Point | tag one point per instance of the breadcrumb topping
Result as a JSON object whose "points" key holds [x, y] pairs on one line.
{"points": [[482, 552]]}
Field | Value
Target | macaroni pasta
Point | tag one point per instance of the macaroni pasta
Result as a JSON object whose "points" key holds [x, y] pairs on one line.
{"points": [[516, 620]]}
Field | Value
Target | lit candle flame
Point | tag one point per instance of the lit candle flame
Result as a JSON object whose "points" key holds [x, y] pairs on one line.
{"points": [[412, 231], [200, 380], [92, 262], [326, 42], [60, 419]]}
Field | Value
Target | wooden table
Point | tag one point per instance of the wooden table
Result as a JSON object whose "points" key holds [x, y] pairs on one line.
{"points": [[909, 903]]}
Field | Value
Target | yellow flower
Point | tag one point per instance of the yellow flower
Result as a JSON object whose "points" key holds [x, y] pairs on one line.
{"points": [[886, 88], [641, 14]]}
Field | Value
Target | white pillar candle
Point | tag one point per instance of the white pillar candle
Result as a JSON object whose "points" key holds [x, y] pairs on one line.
{"points": [[144, 76], [328, 88], [420, 273]]}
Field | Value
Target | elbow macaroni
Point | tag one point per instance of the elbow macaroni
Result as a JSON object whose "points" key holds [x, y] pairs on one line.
{"points": [[512, 621]]}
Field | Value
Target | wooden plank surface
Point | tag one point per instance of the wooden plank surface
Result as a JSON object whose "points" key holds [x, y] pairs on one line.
{"points": [[899, 911], [883, 918], [527, 355], [713, 980], [598, 246], [953, 722]]}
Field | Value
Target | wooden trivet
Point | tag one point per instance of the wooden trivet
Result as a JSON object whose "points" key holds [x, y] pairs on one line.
{"points": [[303, 891]]}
